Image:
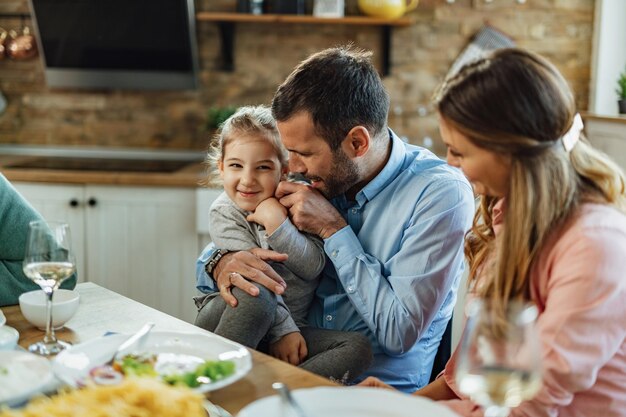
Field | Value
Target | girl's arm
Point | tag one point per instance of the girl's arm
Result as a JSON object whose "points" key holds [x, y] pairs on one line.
{"points": [[305, 251]]}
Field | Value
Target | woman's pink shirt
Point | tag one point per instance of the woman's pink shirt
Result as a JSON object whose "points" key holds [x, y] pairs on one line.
{"points": [[579, 285]]}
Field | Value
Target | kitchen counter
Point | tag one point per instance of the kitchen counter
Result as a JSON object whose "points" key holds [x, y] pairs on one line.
{"points": [[605, 118], [102, 166]]}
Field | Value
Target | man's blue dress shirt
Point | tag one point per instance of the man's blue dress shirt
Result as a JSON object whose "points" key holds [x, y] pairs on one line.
{"points": [[394, 270]]}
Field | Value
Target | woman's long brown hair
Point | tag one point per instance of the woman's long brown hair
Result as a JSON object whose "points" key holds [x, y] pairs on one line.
{"points": [[516, 104]]}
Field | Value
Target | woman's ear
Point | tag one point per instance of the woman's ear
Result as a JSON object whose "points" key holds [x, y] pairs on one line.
{"points": [[357, 142]]}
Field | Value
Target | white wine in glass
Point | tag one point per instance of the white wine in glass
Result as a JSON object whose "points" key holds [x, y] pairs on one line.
{"points": [[48, 262], [499, 364]]}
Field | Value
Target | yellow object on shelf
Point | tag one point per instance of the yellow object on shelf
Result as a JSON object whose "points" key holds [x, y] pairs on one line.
{"points": [[387, 9]]}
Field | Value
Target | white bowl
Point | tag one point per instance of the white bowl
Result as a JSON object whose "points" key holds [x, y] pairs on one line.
{"points": [[8, 338], [64, 306]]}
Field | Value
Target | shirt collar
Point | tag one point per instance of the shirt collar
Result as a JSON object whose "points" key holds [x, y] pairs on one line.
{"points": [[387, 174]]}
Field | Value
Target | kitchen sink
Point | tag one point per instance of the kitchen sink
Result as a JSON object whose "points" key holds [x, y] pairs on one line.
{"points": [[101, 164]]}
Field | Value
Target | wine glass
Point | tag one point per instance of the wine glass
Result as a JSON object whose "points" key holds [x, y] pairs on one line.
{"points": [[499, 362], [48, 261]]}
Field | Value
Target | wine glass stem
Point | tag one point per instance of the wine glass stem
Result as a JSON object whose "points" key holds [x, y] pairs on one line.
{"points": [[49, 338]]}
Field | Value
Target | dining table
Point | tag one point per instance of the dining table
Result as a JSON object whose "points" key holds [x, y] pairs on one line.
{"points": [[102, 311]]}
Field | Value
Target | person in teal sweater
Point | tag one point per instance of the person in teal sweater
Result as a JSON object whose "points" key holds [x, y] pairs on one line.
{"points": [[15, 214]]}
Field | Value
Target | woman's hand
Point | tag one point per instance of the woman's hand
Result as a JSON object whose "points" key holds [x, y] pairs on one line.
{"points": [[240, 269], [374, 382], [290, 348]]}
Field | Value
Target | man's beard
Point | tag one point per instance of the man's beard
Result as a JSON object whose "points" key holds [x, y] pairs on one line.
{"points": [[344, 174]]}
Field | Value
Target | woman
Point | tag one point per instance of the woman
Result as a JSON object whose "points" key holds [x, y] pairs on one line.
{"points": [[550, 229]]}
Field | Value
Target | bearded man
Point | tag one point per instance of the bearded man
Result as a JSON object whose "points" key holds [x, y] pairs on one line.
{"points": [[392, 217]]}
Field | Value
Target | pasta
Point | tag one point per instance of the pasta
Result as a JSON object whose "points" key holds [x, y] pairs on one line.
{"points": [[134, 397]]}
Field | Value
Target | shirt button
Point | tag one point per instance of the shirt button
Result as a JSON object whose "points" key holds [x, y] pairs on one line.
{"points": [[334, 253], [354, 211], [329, 317], [350, 289]]}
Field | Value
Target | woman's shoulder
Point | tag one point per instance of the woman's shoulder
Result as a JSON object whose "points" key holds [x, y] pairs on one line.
{"points": [[597, 217], [593, 228]]}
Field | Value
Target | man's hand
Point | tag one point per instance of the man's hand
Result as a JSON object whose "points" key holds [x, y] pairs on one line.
{"points": [[371, 381], [237, 269], [309, 210], [290, 348], [270, 214]]}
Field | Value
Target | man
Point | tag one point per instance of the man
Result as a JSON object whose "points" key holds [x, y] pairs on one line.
{"points": [[15, 214], [392, 217]]}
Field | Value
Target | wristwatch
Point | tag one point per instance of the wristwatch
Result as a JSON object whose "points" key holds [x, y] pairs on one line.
{"points": [[213, 260]]}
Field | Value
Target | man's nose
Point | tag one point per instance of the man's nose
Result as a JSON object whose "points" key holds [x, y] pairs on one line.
{"points": [[296, 165]]}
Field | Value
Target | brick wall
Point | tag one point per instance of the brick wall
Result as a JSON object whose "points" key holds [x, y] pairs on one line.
{"points": [[265, 54]]}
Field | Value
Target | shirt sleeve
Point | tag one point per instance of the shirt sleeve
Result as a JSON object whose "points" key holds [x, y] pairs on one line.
{"points": [[399, 299], [306, 252], [205, 283], [15, 215], [228, 230]]}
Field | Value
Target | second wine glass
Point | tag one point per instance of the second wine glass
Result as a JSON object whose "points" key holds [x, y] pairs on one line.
{"points": [[499, 362], [48, 261]]}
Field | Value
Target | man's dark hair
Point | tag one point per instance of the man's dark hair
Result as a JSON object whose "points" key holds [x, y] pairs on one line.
{"points": [[340, 88]]}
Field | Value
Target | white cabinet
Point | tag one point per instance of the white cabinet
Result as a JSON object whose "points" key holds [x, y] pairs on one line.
{"points": [[609, 136], [138, 241]]}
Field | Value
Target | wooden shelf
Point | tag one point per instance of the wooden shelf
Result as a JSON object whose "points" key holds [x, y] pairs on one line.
{"points": [[287, 18], [226, 23]]}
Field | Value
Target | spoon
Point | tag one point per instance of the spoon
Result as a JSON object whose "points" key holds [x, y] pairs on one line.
{"points": [[137, 338], [288, 401]]}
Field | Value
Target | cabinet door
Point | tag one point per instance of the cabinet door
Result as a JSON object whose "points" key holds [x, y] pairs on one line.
{"points": [[62, 203], [143, 244], [609, 137]]}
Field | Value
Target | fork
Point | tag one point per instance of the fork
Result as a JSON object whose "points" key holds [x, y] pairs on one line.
{"points": [[136, 338], [288, 402], [214, 410]]}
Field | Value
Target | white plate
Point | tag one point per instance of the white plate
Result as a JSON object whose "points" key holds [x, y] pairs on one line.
{"points": [[350, 402], [22, 375], [72, 366]]}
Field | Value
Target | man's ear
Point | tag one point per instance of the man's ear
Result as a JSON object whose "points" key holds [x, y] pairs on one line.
{"points": [[357, 142]]}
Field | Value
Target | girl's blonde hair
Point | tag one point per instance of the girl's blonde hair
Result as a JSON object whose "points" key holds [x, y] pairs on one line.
{"points": [[515, 103], [246, 121]]}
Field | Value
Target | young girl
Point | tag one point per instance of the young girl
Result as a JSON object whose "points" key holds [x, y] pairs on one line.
{"points": [[550, 229], [250, 160]]}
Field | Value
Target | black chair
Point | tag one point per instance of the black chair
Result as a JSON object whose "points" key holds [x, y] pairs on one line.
{"points": [[443, 352]]}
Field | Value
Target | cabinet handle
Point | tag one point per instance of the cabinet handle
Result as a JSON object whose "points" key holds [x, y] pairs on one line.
{"points": [[74, 202], [92, 202]]}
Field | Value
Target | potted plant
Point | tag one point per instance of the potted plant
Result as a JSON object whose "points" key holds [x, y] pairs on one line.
{"points": [[621, 93], [218, 115]]}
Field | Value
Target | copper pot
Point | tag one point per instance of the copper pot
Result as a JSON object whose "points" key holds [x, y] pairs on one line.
{"points": [[22, 46]]}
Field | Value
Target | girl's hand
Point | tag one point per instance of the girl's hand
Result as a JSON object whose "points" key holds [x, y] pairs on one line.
{"points": [[290, 348], [270, 214], [374, 382]]}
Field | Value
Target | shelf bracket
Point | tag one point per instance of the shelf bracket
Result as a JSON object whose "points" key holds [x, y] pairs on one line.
{"points": [[386, 49], [227, 39]]}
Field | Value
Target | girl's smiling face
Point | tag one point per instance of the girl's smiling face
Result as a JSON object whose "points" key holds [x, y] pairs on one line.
{"points": [[251, 171]]}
